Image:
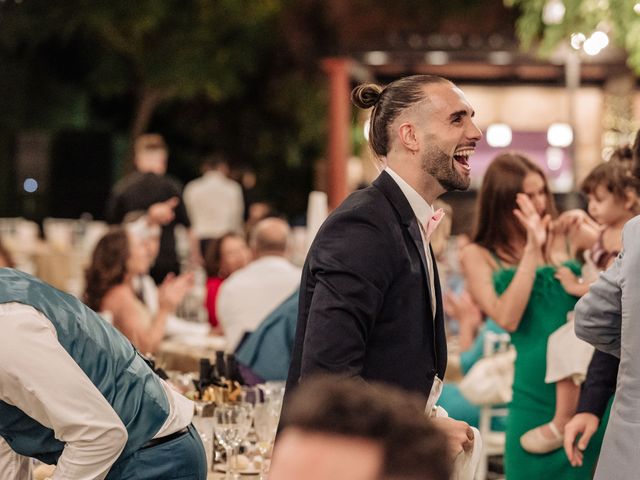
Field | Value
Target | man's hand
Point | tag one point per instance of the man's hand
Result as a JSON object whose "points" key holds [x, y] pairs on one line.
{"points": [[459, 434], [585, 425], [162, 213]]}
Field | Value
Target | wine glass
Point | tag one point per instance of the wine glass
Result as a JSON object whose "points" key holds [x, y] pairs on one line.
{"points": [[231, 425], [265, 423]]}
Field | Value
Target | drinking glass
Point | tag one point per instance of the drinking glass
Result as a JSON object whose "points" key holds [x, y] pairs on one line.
{"points": [[231, 425], [265, 422], [204, 426]]}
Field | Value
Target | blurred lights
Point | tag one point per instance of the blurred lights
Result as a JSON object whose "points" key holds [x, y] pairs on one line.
{"points": [[592, 45], [500, 58], [560, 135], [30, 185], [553, 12], [376, 58], [499, 135], [577, 39], [636, 8], [596, 42], [437, 57], [367, 125], [555, 157]]}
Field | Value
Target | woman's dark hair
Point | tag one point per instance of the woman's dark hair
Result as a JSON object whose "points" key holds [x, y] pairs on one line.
{"points": [[388, 102], [495, 224], [213, 255], [108, 266]]}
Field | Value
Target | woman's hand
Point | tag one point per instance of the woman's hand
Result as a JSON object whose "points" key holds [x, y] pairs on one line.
{"points": [[173, 289], [582, 230], [529, 218]]}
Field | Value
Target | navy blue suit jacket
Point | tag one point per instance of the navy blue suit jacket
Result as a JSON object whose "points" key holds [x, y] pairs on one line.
{"points": [[365, 308]]}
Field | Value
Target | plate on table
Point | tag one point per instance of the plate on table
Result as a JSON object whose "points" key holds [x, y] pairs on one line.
{"points": [[250, 470]]}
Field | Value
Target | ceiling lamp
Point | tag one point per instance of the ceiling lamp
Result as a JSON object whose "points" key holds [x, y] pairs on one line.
{"points": [[560, 135], [499, 135]]}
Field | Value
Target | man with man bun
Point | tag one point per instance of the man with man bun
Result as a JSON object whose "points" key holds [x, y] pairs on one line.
{"points": [[370, 301]]}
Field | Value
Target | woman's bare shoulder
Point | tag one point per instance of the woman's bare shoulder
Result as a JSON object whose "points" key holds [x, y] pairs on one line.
{"points": [[474, 252], [117, 297]]}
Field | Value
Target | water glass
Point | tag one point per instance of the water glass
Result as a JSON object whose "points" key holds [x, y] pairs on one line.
{"points": [[231, 426]]}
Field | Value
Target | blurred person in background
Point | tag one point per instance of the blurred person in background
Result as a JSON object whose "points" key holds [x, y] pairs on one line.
{"points": [[214, 202], [251, 293], [258, 210], [266, 352], [6, 259], [75, 393], [223, 256], [341, 429], [147, 228], [149, 185], [118, 258], [510, 271]]}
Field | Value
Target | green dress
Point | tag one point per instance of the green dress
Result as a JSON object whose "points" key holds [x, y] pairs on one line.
{"points": [[533, 402]]}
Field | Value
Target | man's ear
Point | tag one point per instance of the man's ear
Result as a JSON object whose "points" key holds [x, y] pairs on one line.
{"points": [[407, 136]]}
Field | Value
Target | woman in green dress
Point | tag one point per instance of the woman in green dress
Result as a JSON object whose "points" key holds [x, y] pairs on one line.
{"points": [[509, 270]]}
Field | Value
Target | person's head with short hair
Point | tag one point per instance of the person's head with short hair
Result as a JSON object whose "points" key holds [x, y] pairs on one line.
{"points": [[215, 162], [422, 127], [496, 227], [269, 236], [151, 154], [341, 429], [225, 255]]}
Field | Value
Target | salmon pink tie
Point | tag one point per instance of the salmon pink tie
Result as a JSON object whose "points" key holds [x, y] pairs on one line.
{"points": [[435, 219]]}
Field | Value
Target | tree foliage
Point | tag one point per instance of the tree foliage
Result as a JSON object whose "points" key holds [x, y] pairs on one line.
{"points": [[615, 17], [153, 49]]}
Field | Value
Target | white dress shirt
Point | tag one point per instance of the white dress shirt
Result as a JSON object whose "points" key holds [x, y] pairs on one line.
{"points": [[38, 376], [253, 292], [423, 212], [214, 204]]}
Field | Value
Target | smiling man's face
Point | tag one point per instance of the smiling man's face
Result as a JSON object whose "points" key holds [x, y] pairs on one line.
{"points": [[449, 135]]}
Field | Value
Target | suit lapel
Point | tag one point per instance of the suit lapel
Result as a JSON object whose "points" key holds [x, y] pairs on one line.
{"points": [[394, 194]]}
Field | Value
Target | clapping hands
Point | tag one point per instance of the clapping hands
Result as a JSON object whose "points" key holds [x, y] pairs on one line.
{"points": [[530, 219], [173, 289]]}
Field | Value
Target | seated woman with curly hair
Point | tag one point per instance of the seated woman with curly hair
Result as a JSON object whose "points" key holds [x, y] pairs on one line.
{"points": [[117, 259]]}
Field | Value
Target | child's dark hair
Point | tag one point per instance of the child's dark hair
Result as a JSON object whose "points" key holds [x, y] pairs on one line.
{"points": [[616, 176]]}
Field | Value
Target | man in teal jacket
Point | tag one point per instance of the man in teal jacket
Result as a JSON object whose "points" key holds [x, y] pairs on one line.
{"points": [[74, 392]]}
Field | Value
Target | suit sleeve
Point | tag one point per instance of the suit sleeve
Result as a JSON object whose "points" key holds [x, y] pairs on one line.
{"points": [[599, 385], [182, 216], [598, 315], [352, 263], [113, 211]]}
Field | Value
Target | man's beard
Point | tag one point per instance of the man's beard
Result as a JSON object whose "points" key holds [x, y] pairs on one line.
{"points": [[441, 167]]}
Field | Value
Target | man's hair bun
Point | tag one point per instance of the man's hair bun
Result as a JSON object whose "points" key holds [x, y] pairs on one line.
{"points": [[366, 95]]}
